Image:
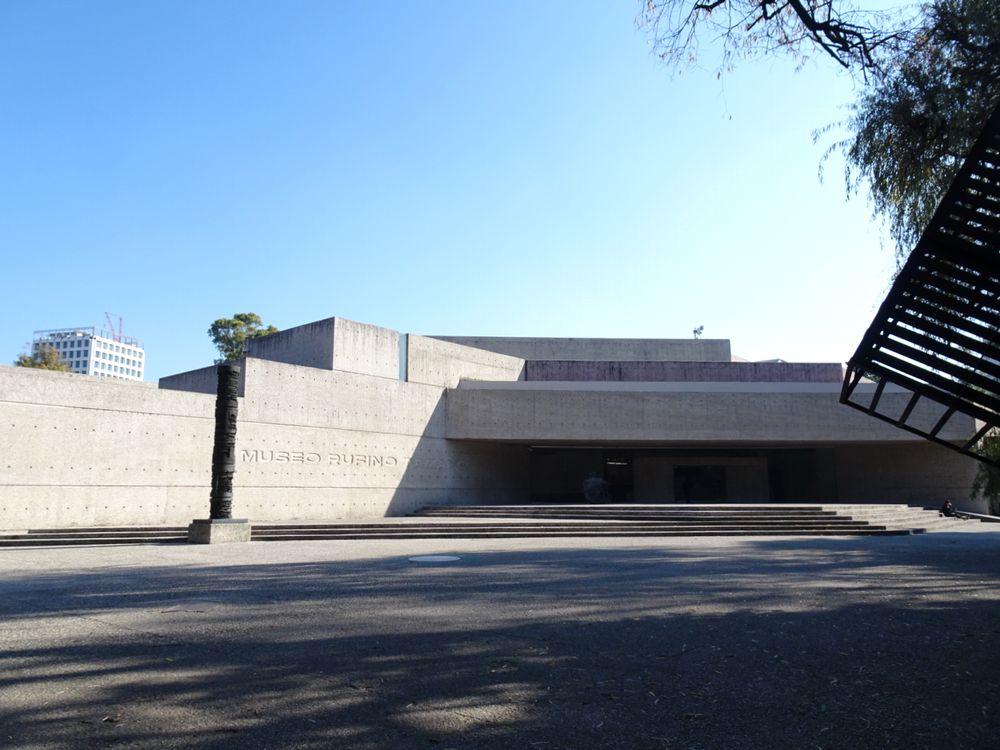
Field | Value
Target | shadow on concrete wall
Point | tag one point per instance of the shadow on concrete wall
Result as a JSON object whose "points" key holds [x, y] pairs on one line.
{"points": [[459, 472]]}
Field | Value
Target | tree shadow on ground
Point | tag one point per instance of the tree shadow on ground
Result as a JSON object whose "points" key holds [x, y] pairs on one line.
{"points": [[787, 643]]}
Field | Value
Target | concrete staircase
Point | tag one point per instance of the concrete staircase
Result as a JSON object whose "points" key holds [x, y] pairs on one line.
{"points": [[667, 520], [88, 535], [902, 517], [541, 521]]}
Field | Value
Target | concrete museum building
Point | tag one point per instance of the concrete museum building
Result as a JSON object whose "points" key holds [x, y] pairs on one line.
{"points": [[342, 420]]}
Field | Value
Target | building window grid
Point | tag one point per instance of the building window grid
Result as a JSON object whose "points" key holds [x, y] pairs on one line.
{"points": [[75, 350]]}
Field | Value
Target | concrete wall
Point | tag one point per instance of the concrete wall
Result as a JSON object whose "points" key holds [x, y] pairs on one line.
{"points": [[615, 350], [920, 474], [317, 444], [671, 413], [81, 450], [312, 444], [442, 363], [309, 345], [333, 344], [365, 349], [351, 440], [202, 380], [722, 372]]}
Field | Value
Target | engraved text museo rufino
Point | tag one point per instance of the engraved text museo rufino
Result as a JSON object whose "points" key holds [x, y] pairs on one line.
{"points": [[306, 457]]}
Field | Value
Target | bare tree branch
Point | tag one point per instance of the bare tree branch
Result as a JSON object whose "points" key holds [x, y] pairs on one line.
{"points": [[854, 39]]}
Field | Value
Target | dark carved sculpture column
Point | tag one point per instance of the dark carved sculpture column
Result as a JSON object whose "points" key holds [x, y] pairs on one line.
{"points": [[224, 450], [220, 526]]}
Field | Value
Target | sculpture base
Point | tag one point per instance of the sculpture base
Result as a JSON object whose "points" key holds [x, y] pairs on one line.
{"points": [[219, 530]]}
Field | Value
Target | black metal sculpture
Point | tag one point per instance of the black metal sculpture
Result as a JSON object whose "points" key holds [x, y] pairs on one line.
{"points": [[937, 334]]}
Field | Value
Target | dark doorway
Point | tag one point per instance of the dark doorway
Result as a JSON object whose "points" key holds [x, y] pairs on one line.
{"points": [[699, 484], [618, 475]]}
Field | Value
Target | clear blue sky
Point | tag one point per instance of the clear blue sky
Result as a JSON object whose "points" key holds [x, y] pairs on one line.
{"points": [[521, 168]]}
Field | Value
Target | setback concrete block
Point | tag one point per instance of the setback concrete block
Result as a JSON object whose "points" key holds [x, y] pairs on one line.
{"points": [[309, 345], [365, 349], [333, 344], [613, 350], [445, 364], [282, 394]]}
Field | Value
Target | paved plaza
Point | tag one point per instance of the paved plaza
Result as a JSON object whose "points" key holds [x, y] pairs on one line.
{"points": [[537, 644]]}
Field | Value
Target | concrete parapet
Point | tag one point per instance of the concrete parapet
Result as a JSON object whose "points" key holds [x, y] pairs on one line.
{"points": [[443, 363], [723, 372], [596, 350], [202, 380]]}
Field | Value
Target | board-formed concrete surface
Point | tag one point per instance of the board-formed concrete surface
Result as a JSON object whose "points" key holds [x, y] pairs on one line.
{"points": [[596, 350], [345, 421], [722, 643]]}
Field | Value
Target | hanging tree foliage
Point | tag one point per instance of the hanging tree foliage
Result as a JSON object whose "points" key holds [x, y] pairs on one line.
{"points": [[928, 77], [913, 126]]}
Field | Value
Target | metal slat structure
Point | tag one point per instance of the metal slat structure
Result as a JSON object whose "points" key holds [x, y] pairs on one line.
{"points": [[937, 334]]}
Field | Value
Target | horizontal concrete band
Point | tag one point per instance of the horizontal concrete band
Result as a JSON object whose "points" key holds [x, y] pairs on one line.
{"points": [[674, 386], [600, 349], [768, 372], [732, 415]]}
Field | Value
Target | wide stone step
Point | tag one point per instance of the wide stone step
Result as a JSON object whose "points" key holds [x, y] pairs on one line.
{"points": [[676, 518], [36, 540], [84, 534], [442, 521], [574, 528], [624, 513], [508, 533], [122, 529], [501, 510]]}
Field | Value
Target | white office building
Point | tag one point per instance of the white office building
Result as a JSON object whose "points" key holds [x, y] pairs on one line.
{"points": [[87, 353]]}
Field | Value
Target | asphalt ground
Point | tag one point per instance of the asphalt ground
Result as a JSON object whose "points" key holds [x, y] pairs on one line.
{"points": [[877, 642]]}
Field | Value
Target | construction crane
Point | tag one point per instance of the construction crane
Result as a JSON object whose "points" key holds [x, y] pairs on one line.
{"points": [[115, 335]]}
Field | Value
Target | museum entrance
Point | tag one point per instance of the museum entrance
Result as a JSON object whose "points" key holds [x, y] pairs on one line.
{"points": [[572, 474], [699, 484]]}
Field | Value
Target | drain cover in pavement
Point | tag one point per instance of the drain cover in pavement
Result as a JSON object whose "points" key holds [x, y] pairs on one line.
{"points": [[435, 558]]}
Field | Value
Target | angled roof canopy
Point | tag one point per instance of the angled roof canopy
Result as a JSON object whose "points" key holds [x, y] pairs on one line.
{"points": [[937, 334]]}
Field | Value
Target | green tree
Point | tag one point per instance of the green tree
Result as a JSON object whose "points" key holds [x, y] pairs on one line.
{"points": [[913, 126], [45, 358], [230, 335]]}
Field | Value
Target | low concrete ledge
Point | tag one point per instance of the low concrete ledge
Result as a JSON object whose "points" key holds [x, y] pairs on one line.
{"points": [[219, 530], [977, 516]]}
